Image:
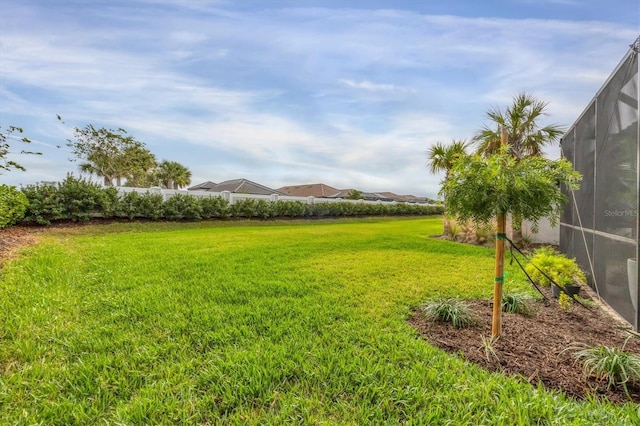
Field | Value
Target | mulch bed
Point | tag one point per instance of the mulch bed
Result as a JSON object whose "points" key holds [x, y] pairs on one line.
{"points": [[534, 348], [14, 237]]}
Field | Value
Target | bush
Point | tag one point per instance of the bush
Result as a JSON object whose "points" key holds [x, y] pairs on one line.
{"points": [[453, 311], [289, 209], [182, 206], [13, 205], [80, 198], [45, 204], [109, 202], [214, 207], [150, 206], [556, 266], [244, 208]]}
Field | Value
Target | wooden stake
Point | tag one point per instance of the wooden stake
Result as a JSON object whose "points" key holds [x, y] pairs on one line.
{"points": [[496, 323]]}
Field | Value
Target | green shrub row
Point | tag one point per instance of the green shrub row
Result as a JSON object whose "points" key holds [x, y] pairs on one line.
{"points": [[13, 204], [80, 200]]}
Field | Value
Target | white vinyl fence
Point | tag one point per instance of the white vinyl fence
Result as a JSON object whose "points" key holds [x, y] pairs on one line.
{"points": [[232, 197]]}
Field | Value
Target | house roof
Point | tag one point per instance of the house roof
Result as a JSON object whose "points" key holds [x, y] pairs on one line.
{"points": [[319, 190], [238, 186], [202, 186]]}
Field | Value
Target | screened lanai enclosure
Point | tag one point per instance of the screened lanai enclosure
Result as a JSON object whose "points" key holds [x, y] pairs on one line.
{"points": [[599, 225]]}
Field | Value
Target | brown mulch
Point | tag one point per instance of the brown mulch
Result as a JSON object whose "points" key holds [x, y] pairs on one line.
{"points": [[14, 237], [534, 348]]}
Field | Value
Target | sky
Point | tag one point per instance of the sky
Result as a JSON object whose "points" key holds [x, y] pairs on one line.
{"points": [[347, 93]]}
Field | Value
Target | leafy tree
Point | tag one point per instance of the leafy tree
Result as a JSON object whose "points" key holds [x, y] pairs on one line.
{"points": [[110, 154], [354, 194], [484, 189], [441, 158], [140, 165], [479, 188], [173, 175], [525, 137], [6, 164]]}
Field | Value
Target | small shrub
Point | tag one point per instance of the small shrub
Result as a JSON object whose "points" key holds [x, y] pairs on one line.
{"points": [[182, 206], [613, 365], [289, 209], [214, 207], [45, 204], [517, 303], [263, 209], [244, 208], [80, 198], [555, 265], [13, 205], [150, 206], [109, 202], [564, 301], [453, 311]]}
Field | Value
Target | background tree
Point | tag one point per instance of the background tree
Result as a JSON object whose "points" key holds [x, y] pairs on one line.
{"points": [[109, 154], [173, 175], [139, 167], [354, 194], [441, 158], [525, 137], [6, 164]]}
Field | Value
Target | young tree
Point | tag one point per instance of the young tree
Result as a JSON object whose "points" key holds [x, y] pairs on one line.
{"points": [[6, 164], [173, 175], [525, 137], [483, 189], [110, 154], [440, 158]]}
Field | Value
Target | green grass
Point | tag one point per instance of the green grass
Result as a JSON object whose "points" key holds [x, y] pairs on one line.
{"points": [[252, 323]]}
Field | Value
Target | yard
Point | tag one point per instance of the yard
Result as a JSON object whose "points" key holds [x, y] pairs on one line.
{"points": [[300, 322]]}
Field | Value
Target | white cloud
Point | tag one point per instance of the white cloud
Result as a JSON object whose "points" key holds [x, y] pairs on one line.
{"points": [[307, 94]]}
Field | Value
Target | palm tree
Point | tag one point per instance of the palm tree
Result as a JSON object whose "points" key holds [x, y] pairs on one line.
{"points": [[173, 175], [525, 137], [441, 158]]}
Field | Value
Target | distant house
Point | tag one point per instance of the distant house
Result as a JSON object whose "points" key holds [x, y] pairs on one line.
{"points": [[318, 190], [237, 186], [205, 186]]}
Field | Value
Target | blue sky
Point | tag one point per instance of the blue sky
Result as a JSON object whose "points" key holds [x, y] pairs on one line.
{"points": [[347, 93]]}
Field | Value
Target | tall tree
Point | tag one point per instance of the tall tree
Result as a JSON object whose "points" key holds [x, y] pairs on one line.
{"points": [[139, 166], [173, 175], [521, 119], [525, 136], [6, 164], [110, 154], [441, 158]]}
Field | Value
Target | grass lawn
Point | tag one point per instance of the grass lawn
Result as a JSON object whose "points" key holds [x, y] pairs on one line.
{"points": [[251, 323]]}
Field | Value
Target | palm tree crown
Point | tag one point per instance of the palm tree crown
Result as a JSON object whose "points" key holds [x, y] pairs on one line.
{"points": [[441, 157], [524, 135], [173, 175]]}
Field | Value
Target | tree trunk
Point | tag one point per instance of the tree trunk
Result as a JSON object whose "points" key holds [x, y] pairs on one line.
{"points": [[447, 226]]}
